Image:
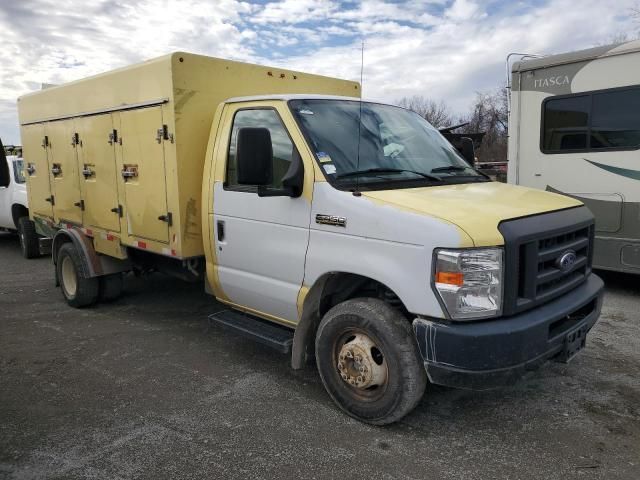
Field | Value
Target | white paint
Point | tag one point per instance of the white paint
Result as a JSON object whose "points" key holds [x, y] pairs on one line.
{"points": [[261, 258], [15, 193]]}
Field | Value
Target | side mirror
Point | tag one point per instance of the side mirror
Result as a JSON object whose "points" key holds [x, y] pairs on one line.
{"points": [[254, 156], [4, 168], [467, 150]]}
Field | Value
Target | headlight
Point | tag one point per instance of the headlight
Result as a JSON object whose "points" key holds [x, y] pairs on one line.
{"points": [[469, 282]]}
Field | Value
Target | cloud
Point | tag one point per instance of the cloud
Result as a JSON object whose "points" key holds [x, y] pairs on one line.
{"points": [[443, 49]]}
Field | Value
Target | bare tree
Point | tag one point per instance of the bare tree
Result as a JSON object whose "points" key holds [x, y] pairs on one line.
{"points": [[437, 114], [489, 115]]}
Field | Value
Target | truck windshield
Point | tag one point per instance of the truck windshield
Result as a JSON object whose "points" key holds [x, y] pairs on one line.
{"points": [[396, 146]]}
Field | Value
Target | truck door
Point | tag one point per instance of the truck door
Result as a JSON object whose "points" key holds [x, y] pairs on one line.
{"points": [[141, 164], [63, 170], [97, 165], [35, 148], [260, 242]]}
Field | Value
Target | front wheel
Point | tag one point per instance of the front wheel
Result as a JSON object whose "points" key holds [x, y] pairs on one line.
{"points": [[77, 289], [368, 360]]}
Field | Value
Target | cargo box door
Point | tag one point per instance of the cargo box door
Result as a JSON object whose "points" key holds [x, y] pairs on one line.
{"points": [[63, 171], [98, 178], [37, 169], [143, 174]]}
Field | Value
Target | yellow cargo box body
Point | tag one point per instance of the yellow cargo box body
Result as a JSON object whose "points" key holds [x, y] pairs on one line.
{"points": [[121, 154]]}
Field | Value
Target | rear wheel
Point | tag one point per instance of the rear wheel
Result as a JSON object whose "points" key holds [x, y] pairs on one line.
{"points": [[368, 361], [29, 243], [77, 289]]}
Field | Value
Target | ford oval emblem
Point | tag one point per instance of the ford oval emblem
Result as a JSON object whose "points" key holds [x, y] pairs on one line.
{"points": [[566, 261]]}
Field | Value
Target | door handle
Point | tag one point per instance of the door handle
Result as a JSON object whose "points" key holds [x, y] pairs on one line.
{"points": [[220, 230]]}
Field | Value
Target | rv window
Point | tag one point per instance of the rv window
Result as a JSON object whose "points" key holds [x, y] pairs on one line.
{"points": [[592, 121], [566, 122], [615, 119]]}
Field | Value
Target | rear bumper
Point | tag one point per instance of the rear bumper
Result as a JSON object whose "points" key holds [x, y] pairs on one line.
{"points": [[487, 354]]}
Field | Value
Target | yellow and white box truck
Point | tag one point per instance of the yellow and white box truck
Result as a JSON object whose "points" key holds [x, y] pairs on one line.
{"points": [[334, 229]]}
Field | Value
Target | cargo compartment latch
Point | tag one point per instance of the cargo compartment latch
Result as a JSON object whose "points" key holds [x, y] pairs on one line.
{"points": [[56, 169], [129, 171], [87, 172], [166, 218]]}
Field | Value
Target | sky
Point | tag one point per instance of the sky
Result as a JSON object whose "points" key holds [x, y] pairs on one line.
{"points": [[442, 49]]}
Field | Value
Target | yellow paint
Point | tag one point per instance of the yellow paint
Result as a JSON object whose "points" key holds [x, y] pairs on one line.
{"points": [[302, 295], [112, 248], [476, 208], [186, 89], [65, 186], [97, 155], [38, 186]]}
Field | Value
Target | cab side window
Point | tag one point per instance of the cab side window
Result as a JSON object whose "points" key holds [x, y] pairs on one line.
{"points": [[281, 144]]}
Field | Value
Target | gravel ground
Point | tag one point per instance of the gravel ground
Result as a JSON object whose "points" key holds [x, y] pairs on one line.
{"points": [[143, 388]]}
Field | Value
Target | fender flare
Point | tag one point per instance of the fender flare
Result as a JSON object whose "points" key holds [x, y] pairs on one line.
{"points": [[91, 266], [308, 324]]}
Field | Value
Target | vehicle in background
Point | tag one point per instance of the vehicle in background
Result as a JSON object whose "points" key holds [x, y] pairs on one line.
{"points": [[333, 229], [574, 129], [14, 211]]}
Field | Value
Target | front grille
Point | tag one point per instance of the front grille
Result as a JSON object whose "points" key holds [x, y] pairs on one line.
{"points": [[533, 248]]}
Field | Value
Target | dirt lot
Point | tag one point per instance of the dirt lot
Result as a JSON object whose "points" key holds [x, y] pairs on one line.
{"points": [[142, 388]]}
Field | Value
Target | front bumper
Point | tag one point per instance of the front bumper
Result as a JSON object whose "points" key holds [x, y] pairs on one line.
{"points": [[487, 354]]}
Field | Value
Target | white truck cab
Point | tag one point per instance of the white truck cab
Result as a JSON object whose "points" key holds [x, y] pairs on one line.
{"points": [[14, 212]]}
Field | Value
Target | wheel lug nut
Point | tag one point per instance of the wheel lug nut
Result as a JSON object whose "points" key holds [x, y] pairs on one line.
{"points": [[349, 355], [363, 369], [344, 376], [360, 379], [340, 366]]}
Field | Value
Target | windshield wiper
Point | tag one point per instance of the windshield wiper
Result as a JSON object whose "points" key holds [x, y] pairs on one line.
{"points": [[449, 168], [387, 170]]}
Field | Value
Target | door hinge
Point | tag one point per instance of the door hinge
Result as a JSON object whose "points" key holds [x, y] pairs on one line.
{"points": [[45, 142], [80, 204], [113, 138], [51, 200], [31, 168], [75, 139], [163, 134], [117, 210], [167, 218]]}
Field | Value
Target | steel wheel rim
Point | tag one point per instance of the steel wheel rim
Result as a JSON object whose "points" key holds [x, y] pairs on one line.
{"points": [[69, 278], [370, 383]]}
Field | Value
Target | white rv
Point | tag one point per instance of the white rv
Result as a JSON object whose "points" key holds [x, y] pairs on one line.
{"points": [[574, 128]]}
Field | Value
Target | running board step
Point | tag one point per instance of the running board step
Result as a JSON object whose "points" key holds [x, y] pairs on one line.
{"points": [[269, 334]]}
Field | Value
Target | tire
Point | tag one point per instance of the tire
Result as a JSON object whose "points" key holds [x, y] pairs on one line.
{"points": [[111, 287], [29, 243], [77, 289], [394, 378]]}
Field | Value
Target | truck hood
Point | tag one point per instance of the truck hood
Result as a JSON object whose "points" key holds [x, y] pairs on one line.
{"points": [[476, 208]]}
